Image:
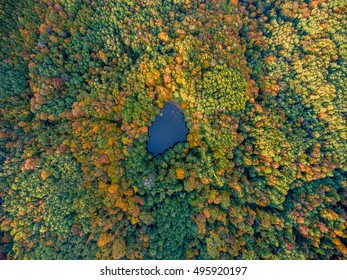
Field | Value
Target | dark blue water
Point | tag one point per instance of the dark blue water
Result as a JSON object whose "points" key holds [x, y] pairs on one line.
{"points": [[168, 129]]}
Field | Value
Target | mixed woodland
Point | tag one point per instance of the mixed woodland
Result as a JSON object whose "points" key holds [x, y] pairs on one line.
{"points": [[263, 88]]}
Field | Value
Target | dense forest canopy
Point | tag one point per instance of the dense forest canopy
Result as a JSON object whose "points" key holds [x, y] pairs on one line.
{"points": [[263, 88]]}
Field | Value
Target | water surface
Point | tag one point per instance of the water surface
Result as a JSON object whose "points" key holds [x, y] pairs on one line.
{"points": [[168, 129]]}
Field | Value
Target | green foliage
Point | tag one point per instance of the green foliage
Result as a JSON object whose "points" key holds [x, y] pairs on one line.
{"points": [[40, 201], [172, 229], [222, 89], [12, 80]]}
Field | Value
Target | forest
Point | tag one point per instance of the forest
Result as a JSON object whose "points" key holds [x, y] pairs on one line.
{"points": [[263, 88]]}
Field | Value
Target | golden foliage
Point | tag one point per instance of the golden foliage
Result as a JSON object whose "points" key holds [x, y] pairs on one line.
{"points": [[45, 174], [204, 180], [102, 56], [113, 189], [163, 36], [180, 173], [104, 239]]}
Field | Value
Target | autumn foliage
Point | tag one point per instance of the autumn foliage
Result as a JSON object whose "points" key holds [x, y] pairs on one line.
{"points": [[262, 86]]}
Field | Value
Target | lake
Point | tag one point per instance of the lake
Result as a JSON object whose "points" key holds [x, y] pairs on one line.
{"points": [[168, 129]]}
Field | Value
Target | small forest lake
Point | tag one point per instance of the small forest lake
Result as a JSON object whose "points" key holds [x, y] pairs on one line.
{"points": [[168, 129]]}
